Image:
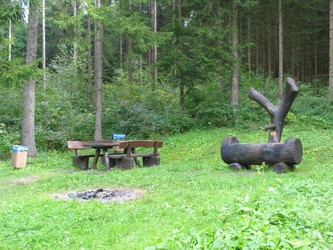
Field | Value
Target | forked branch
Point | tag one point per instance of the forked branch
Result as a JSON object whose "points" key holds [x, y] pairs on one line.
{"points": [[277, 113]]}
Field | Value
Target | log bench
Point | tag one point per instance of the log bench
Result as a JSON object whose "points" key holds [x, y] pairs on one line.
{"points": [[135, 149], [82, 160]]}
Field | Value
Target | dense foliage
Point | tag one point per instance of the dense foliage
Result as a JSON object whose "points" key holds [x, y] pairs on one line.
{"points": [[187, 86], [168, 68]]}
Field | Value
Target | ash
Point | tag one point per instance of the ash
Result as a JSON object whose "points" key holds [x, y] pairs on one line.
{"points": [[104, 195]]}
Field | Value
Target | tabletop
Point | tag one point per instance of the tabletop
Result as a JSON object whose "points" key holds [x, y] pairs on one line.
{"points": [[102, 144]]}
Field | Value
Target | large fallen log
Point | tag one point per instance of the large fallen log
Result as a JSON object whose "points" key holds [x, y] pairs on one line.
{"points": [[290, 152]]}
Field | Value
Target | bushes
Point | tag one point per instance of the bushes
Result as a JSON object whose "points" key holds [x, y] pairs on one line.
{"points": [[314, 111], [140, 112], [7, 139]]}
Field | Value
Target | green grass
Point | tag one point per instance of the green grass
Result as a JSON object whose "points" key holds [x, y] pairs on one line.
{"points": [[191, 201]]}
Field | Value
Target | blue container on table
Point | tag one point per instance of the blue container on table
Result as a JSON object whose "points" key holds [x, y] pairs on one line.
{"points": [[118, 136]]}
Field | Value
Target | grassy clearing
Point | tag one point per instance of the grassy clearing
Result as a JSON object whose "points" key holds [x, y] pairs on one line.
{"points": [[191, 201]]}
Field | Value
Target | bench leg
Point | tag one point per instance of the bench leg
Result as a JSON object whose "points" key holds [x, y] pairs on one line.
{"points": [[124, 163], [97, 154], [81, 162], [151, 161]]}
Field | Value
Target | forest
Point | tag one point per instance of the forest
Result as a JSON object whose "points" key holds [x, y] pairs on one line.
{"points": [[186, 73], [72, 69]]}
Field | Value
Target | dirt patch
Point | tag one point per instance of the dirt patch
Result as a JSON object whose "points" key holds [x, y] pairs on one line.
{"points": [[24, 180], [104, 195]]}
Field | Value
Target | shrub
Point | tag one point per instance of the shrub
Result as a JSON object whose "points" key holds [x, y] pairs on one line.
{"points": [[6, 141], [138, 111]]}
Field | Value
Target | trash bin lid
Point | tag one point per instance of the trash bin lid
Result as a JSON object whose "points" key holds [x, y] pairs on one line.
{"points": [[19, 148]]}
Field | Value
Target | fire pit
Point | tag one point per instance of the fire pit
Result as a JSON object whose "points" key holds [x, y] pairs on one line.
{"points": [[104, 195]]}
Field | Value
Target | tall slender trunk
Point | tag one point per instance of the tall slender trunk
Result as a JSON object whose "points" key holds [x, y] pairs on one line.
{"points": [[129, 50], [331, 52], [263, 60], [269, 50], [121, 54], [154, 57], [129, 58], [235, 67], [75, 52], [257, 49], [181, 80], [316, 64], [28, 121], [174, 40], [10, 39], [44, 44], [98, 76], [249, 55], [90, 74], [280, 49]]}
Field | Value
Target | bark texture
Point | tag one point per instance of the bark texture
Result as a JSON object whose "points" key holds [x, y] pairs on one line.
{"points": [[331, 51], [28, 121], [280, 48], [98, 77], [235, 70]]}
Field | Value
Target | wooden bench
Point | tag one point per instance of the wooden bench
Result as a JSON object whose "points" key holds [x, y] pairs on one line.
{"points": [[125, 160], [82, 160]]}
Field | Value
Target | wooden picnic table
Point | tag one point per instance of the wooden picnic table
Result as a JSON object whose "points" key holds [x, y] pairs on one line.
{"points": [[124, 152], [98, 146]]}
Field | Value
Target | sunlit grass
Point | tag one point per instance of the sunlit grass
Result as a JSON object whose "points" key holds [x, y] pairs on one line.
{"points": [[191, 201]]}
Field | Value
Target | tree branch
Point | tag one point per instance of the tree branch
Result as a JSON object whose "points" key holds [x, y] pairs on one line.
{"points": [[261, 100], [289, 97]]}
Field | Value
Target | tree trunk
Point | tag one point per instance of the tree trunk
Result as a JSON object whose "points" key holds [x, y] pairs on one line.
{"points": [[331, 52], [75, 51], [121, 51], [316, 65], [269, 50], [10, 39], [44, 44], [129, 50], [249, 61], [154, 56], [174, 65], [280, 49], [129, 58], [28, 121], [98, 76], [235, 67], [90, 75], [181, 80]]}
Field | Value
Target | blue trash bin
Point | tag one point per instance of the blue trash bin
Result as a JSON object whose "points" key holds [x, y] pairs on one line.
{"points": [[19, 156]]}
